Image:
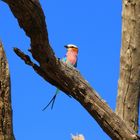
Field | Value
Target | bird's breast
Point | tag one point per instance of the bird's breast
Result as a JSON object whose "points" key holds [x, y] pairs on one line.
{"points": [[71, 59]]}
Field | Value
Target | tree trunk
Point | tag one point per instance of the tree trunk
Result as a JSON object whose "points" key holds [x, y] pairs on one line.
{"points": [[129, 82], [6, 128]]}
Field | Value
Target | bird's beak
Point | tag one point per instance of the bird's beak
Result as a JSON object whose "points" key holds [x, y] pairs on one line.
{"points": [[66, 46]]}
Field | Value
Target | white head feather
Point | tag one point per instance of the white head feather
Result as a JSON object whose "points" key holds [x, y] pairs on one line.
{"points": [[71, 45]]}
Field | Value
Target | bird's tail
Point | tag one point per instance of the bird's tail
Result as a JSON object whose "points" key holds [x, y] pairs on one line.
{"points": [[52, 100]]}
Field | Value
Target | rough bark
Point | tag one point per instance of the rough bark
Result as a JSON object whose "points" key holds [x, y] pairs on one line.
{"points": [[129, 82], [31, 18], [6, 128]]}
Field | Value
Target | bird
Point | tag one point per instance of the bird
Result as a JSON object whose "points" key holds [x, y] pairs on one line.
{"points": [[70, 59]]}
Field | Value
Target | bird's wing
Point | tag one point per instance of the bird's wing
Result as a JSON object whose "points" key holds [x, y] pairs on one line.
{"points": [[64, 59], [75, 65]]}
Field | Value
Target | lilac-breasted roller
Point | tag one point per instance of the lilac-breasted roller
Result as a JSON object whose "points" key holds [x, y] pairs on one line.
{"points": [[70, 58]]}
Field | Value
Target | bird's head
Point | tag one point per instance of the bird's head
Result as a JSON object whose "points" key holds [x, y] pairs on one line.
{"points": [[71, 47]]}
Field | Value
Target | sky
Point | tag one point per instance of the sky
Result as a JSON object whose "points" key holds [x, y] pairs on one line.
{"points": [[95, 27]]}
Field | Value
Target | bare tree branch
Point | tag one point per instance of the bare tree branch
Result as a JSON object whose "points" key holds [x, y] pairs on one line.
{"points": [[31, 18], [36, 68]]}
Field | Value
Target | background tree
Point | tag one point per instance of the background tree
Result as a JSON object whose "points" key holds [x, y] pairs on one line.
{"points": [[69, 80], [6, 127], [129, 89]]}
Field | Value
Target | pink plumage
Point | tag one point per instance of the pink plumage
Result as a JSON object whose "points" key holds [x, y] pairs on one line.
{"points": [[71, 56]]}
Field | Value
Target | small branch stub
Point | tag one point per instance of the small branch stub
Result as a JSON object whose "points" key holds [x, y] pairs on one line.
{"points": [[78, 137]]}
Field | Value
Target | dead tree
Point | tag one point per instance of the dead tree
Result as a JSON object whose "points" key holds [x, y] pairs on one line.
{"points": [[120, 125], [129, 82], [6, 128]]}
